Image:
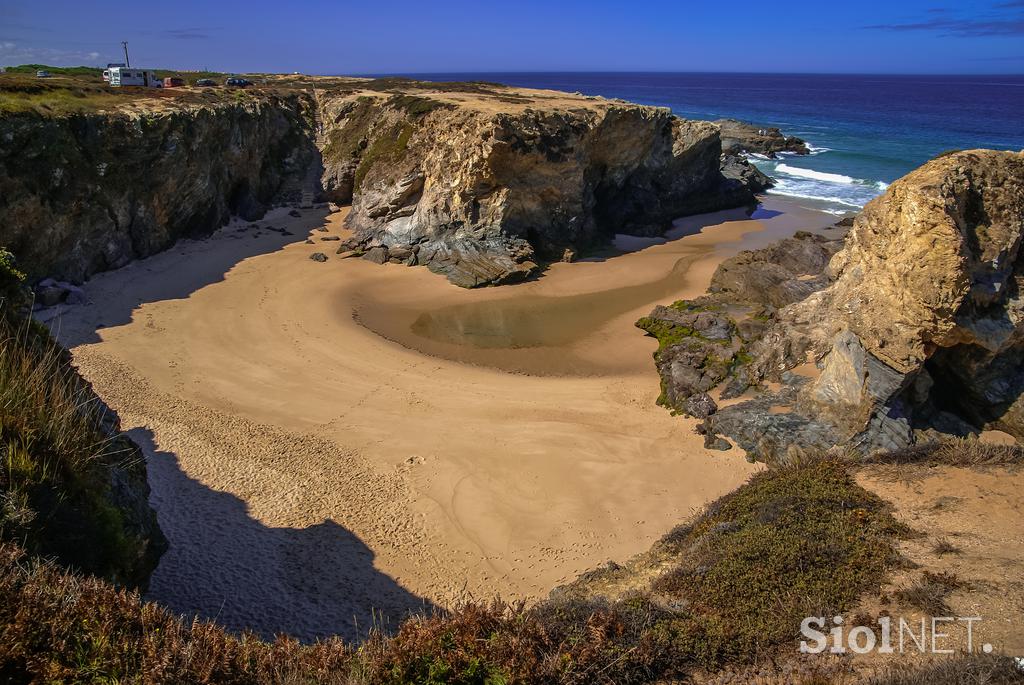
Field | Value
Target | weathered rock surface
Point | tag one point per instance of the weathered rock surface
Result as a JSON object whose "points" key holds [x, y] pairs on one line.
{"points": [[482, 182], [739, 137], [741, 173], [488, 188], [88, 192], [50, 292], [703, 341], [782, 273], [916, 326]]}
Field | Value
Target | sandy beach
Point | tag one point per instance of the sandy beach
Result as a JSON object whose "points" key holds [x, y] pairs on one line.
{"points": [[333, 444]]}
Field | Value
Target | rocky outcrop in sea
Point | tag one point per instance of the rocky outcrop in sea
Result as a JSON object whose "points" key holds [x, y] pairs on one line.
{"points": [[740, 137], [915, 328]]}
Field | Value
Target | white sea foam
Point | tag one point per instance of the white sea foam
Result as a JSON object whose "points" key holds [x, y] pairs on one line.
{"points": [[816, 175], [834, 193], [782, 189], [818, 150]]}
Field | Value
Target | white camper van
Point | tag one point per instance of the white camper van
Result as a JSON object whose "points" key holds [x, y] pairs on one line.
{"points": [[132, 76]]}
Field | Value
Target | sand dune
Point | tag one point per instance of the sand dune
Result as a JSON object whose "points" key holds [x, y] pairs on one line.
{"points": [[313, 457]]}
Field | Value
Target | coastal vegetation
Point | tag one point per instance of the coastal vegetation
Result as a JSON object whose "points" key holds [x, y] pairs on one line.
{"points": [[63, 475], [728, 591], [724, 590]]}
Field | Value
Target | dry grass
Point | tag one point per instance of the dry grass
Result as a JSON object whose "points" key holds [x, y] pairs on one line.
{"points": [[943, 546], [792, 541], [58, 627], [953, 452], [928, 593], [796, 541], [978, 669], [58, 450]]}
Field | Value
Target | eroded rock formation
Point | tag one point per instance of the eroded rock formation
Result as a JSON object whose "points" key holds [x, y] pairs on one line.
{"points": [[739, 137], [482, 188], [915, 327], [478, 182]]}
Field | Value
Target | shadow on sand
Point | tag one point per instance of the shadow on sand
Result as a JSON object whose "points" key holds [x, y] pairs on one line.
{"points": [[226, 566], [179, 271]]}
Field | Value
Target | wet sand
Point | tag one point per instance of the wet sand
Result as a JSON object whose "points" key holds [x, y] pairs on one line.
{"points": [[329, 439]]}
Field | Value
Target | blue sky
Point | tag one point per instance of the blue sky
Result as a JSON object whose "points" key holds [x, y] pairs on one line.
{"points": [[343, 37]]}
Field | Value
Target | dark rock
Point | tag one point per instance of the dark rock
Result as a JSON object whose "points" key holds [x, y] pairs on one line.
{"points": [[295, 213], [318, 257], [399, 253], [50, 295], [75, 295], [330, 238], [84, 195], [745, 174], [697, 349], [377, 255], [716, 442], [777, 275], [739, 136], [700, 406]]}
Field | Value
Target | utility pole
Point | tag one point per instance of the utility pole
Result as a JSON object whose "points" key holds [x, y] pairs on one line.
{"points": [[124, 44]]}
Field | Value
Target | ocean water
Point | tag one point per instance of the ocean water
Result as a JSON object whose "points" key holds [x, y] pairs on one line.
{"points": [[864, 131]]}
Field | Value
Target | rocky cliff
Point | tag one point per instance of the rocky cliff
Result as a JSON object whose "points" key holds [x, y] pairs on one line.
{"points": [[477, 181], [483, 183], [915, 327], [92, 191]]}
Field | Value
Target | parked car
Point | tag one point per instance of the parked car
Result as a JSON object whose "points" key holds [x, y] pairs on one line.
{"points": [[206, 82], [173, 82], [42, 74], [237, 82]]}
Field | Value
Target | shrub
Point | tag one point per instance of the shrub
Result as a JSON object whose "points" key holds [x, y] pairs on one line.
{"points": [[794, 542], [57, 458]]}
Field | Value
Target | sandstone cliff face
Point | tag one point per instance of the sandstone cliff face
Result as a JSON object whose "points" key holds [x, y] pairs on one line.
{"points": [[483, 190], [916, 325], [90, 192], [479, 182], [925, 313]]}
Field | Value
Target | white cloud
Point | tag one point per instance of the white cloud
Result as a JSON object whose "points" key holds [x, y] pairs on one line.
{"points": [[13, 53]]}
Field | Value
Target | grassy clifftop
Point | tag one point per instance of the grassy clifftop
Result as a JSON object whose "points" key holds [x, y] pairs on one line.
{"points": [[71, 487]]}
